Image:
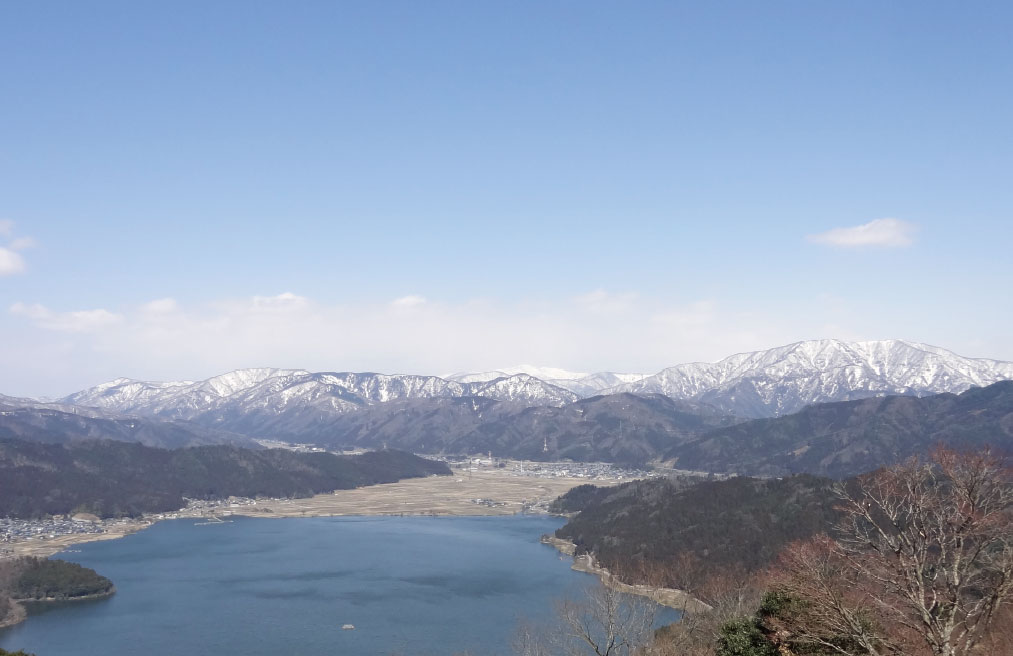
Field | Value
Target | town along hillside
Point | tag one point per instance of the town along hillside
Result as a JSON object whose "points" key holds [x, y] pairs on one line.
{"points": [[114, 479], [659, 527]]}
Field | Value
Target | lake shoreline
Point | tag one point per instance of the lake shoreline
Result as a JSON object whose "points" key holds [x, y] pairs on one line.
{"points": [[48, 600], [670, 597], [16, 615], [183, 587], [463, 493], [19, 609]]}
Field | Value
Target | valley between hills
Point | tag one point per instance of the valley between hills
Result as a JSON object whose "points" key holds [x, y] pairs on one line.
{"points": [[471, 489], [673, 485]]}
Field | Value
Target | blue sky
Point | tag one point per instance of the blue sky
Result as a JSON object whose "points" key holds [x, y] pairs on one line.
{"points": [[187, 188]]}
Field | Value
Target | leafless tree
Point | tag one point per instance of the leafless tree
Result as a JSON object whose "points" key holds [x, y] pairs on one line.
{"points": [[830, 605], [531, 639], [727, 595], [999, 641], [923, 560], [603, 622]]}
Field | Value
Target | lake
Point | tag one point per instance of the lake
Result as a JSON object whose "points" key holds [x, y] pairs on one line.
{"points": [[259, 587]]}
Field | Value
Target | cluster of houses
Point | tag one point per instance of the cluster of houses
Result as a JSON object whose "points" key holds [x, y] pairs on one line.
{"points": [[16, 530], [593, 471], [206, 507]]}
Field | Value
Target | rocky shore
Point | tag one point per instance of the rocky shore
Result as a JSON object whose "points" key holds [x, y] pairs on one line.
{"points": [[15, 615], [671, 597], [18, 612]]}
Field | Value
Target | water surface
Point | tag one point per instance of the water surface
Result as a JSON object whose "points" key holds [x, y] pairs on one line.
{"points": [[286, 586]]}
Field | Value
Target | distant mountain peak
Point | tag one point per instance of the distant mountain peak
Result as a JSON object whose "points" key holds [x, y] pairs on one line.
{"points": [[542, 373], [272, 392], [767, 383], [785, 379]]}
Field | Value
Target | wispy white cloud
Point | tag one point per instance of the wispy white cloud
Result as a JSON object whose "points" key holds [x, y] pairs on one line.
{"points": [[601, 301], [60, 350], [34, 311], [21, 243], [888, 233], [79, 321], [164, 339], [160, 306], [410, 301], [282, 302], [63, 349], [11, 261]]}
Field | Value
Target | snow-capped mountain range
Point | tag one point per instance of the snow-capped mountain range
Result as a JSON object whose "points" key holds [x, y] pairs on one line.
{"points": [[784, 380], [278, 391], [582, 384], [760, 384]]}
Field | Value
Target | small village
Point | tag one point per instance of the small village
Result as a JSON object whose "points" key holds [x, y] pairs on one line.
{"points": [[59, 526], [592, 471], [21, 530]]}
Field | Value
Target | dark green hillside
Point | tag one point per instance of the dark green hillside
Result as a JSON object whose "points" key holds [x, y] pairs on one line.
{"points": [[621, 428], [117, 478], [739, 522], [38, 578], [23, 419], [847, 438]]}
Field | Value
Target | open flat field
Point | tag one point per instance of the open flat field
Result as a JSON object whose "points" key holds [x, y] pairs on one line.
{"points": [[501, 494], [487, 491]]}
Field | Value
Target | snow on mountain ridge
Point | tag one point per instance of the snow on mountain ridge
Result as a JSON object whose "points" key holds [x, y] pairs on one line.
{"points": [[541, 373], [479, 377], [241, 379], [276, 391], [773, 382], [174, 398], [785, 379], [579, 383]]}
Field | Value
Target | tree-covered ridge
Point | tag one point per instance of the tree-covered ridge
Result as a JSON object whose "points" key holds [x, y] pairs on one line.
{"points": [[24, 419], [660, 525], [913, 559], [36, 579], [113, 479], [847, 438], [621, 428]]}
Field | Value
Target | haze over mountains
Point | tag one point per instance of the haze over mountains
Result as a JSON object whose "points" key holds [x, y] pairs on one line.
{"points": [[60, 423], [582, 384], [514, 412], [760, 384]]}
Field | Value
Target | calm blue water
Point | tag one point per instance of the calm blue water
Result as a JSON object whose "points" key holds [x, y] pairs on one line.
{"points": [[285, 586]]}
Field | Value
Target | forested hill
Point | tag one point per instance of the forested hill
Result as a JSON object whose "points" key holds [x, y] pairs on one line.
{"points": [[847, 438], [41, 579], [111, 478], [621, 428], [33, 421], [662, 526]]}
